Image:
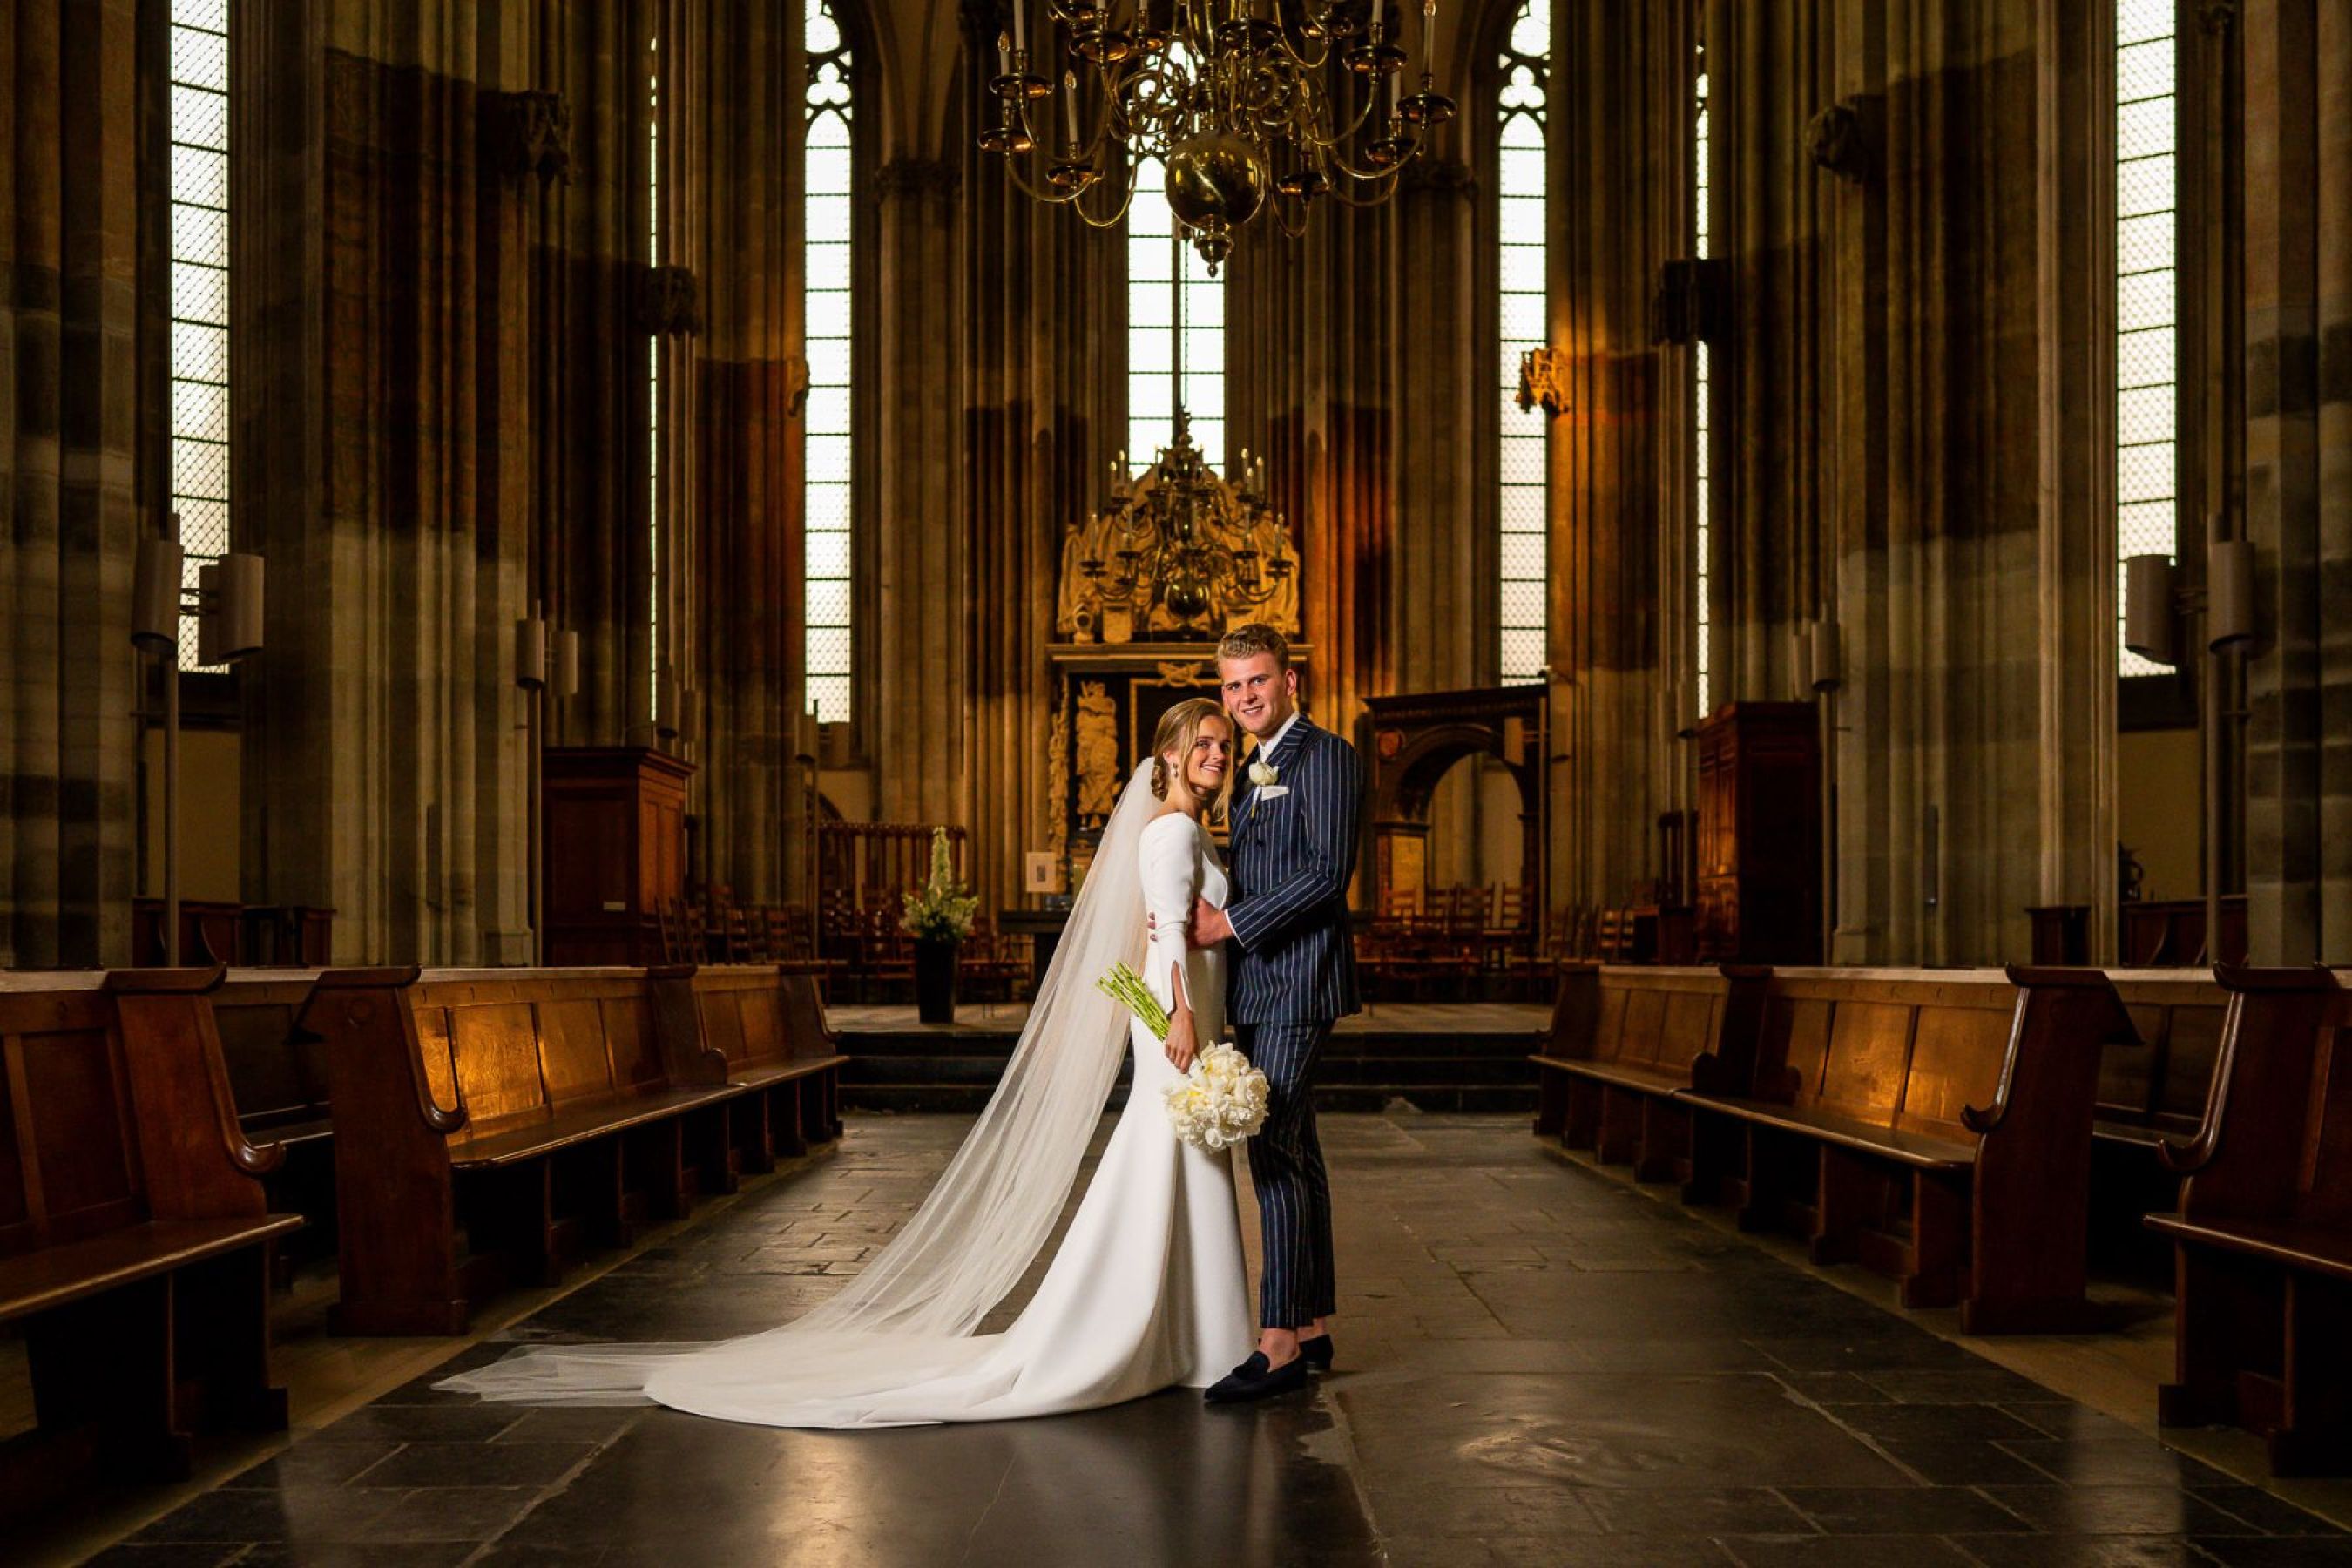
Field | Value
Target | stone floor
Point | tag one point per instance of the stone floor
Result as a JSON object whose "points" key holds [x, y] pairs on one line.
{"points": [[1538, 1365]]}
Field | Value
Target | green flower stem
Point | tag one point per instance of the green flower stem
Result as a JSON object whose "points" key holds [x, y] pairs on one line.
{"points": [[1125, 986]]}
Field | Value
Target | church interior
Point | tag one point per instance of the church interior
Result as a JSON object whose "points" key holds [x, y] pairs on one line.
{"points": [[539, 532]]}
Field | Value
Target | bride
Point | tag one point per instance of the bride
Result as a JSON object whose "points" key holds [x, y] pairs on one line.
{"points": [[1147, 1289]]}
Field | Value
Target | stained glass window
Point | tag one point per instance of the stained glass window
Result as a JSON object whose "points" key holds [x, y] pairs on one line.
{"points": [[1525, 445], [1169, 290], [827, 296], [200, 354], [2147, 401], [1702, 518]]}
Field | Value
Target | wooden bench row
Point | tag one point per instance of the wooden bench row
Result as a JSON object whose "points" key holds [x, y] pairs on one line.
{"points": [[1939, 1125], [134, 1238], [1936, 1125], [476, 1124], [470, 1128], [2262, 1236]]}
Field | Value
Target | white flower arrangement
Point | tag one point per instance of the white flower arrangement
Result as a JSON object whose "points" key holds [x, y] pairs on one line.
{"points": [[1220, 1102], [1223, 1099]]}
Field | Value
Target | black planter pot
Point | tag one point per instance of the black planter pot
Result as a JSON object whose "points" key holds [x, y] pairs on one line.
{"points": [[935, 981]]}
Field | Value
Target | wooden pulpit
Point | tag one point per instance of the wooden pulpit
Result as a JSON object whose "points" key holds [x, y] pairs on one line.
{"points": [[614, 825], [1759, 834]]}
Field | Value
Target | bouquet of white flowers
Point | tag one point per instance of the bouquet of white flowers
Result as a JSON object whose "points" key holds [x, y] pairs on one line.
{"points": [[1223, 1099]]}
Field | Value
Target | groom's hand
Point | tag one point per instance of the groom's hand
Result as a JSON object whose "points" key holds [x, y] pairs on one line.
{"points": [[1210, 927]]}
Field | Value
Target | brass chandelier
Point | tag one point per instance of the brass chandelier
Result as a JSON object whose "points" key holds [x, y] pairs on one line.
{"points": [[1239, 99], [1180, 545]]}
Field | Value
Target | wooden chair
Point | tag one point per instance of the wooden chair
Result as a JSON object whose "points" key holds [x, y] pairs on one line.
{"points": [[488, 1122], [1508, 944], [2262, 1238], [1933, 1124], [134, 1239]]}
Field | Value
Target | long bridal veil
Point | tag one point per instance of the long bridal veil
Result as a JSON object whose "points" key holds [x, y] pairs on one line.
{"points": [[911, 1314]]}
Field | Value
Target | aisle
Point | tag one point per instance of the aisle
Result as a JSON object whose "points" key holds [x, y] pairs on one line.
{"points": [[1539, 1366]]}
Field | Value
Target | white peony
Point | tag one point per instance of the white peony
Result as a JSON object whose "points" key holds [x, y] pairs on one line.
{"points": [[1220, 1102]]}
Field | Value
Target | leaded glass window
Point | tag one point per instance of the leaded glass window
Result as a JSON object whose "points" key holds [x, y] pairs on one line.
{"points": [[200, 235], [1702, 531], [826, 489], [1520, 186], [2147, 400], [1169, 290]]}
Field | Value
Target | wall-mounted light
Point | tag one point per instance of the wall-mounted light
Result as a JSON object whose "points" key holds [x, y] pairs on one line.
{"points": [[2229, 593], [155, 592], [530, 652], [1828, 657], [229, 609], [2150, 586], [564, 666]]}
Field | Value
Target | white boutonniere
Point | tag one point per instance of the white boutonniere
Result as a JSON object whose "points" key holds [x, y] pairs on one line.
{"points": [[1263, 774]]}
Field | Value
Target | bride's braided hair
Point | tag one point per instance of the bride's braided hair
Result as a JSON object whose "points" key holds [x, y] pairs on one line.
{"points": [[1179, 727]]}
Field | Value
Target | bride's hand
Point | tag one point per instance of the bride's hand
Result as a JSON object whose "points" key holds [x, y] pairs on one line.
{"points": [[1180, 1045]]}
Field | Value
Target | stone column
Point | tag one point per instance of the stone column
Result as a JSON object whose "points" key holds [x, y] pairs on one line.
{"points": [[922, 606], [1612, 118], [1954, 253], [386, 298], [741, 136], [2298, 337], [1039, 355], [69, 238], [1310, 363]]}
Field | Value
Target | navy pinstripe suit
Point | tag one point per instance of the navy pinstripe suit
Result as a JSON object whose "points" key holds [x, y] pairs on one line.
{"points": [[1292, 973]]}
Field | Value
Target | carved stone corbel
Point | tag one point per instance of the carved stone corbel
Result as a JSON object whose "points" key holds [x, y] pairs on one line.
{"points": [[1836, 140], [670, 299], [530, 133], [1543, 380]]}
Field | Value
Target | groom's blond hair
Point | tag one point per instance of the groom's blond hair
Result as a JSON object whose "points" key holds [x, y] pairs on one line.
{"points": [[1249, 641]]}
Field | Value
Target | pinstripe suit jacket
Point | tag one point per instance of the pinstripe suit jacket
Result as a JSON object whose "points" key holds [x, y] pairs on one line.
{"points": [[1293, 958]]}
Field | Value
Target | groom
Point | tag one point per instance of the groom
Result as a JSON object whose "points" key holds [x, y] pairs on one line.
{"points": [[1293, 974]]}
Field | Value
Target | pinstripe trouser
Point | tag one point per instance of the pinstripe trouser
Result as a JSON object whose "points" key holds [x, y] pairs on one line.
{"points": [[1294, 1195]]}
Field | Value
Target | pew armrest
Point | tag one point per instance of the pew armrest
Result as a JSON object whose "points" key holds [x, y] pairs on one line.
{"points": [[438, 1118], [253, 1159], [2051, 986], [2308, 987]]}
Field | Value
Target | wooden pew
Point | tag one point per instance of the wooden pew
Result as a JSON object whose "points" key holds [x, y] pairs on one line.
{"points": [[134, 1241], [765, 1031], [2263, 1239], [1933, 1124], [1627, 1041], [276, 1071], [489, 1121], [2148, 1095], [277, 1078]]}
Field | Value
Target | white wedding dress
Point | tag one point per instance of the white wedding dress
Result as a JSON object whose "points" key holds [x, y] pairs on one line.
{"points": [[1148, 1288]]}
